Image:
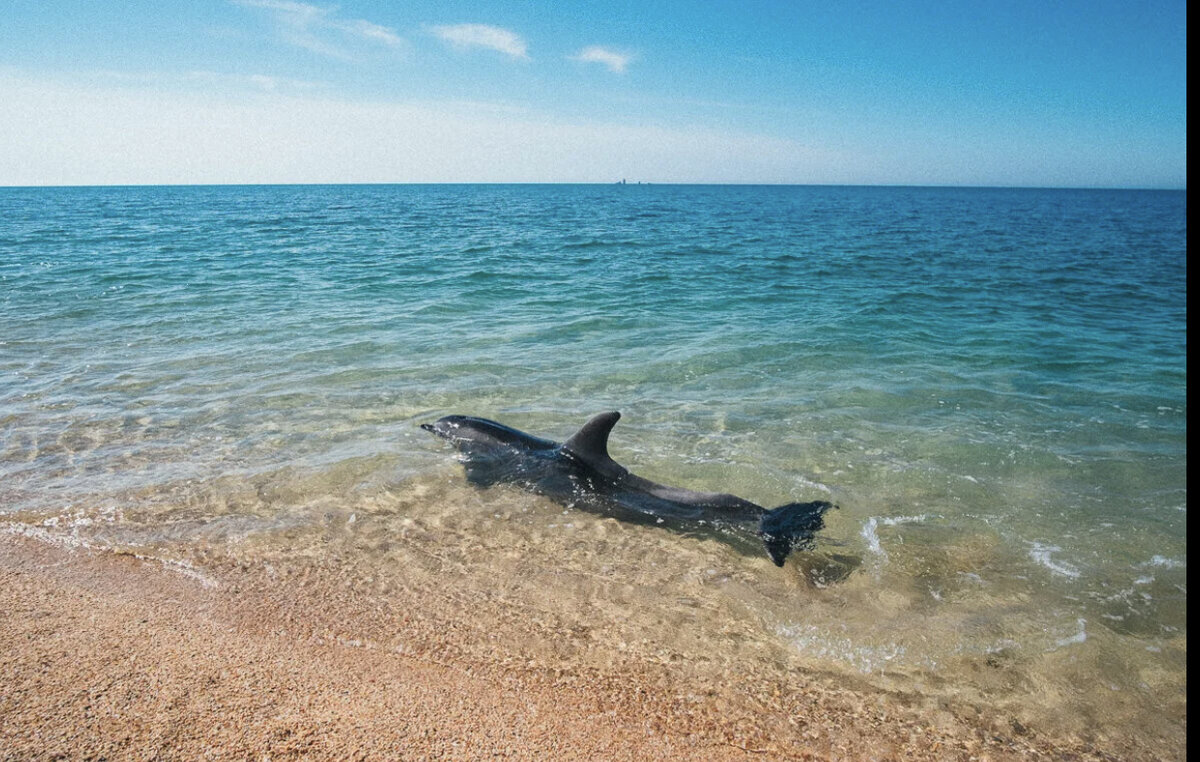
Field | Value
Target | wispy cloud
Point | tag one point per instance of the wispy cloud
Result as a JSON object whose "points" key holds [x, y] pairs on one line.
{"points": [[200, 80], [483, 36], [319, 29], [616, 61], [75, 131]]}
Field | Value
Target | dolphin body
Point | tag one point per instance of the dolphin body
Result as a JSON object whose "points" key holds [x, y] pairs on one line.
{"points": [[579, 472]]}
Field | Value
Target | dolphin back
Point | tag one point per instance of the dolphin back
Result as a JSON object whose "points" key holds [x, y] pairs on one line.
{"points": [[467, 431], [791, 526]]}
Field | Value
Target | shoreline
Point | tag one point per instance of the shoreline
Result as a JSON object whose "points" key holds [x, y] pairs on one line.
{"points": [[116, 656]]}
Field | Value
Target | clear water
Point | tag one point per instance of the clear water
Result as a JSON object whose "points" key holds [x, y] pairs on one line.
{"points": [[990, 383]]}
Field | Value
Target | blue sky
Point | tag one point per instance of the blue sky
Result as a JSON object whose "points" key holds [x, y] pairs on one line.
{"points": [[1089, 94]]}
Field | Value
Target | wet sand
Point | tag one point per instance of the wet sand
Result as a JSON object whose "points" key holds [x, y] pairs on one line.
{"points": [[110, 656]]}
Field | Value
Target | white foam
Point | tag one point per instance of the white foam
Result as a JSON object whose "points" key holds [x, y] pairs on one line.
{"points": [[867, 659], [815, 485], [182, 567], [1077, 638], [897, 520], [42, 535], [1041, 553], [1163, 562], [73, 541], [872, 537]]}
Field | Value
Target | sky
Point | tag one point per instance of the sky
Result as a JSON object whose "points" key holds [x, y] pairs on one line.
{"points": [[1066, 94]]}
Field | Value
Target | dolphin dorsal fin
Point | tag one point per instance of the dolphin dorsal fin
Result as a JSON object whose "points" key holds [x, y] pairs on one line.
{"points": [[590, 444]]}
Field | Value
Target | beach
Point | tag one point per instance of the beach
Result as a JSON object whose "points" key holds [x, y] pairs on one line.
{"points": [[109, 656]]}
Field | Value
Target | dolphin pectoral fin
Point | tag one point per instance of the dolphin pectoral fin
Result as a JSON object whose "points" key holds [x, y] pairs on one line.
{"points": [[787, 527]]}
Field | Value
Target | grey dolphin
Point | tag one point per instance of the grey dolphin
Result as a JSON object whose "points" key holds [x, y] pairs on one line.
{"points": [[580, 472]]}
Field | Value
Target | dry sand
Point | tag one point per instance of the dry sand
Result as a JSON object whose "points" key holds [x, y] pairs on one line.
{"points": [[107, 656]]}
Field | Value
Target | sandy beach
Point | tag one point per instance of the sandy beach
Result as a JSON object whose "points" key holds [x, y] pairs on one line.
{"points": [[109, 656]]}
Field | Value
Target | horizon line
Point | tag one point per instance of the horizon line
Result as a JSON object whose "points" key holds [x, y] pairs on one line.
{"points": [[600, 184]]}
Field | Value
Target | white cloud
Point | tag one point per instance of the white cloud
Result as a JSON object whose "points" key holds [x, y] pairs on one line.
{"points": [[198, 80], [315, 28], [61, 132], [615, 60], [483, 36], [102, 129]]}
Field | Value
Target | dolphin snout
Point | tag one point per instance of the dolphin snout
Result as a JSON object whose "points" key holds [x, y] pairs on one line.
{"points": [[436, 429], [441, 428]]}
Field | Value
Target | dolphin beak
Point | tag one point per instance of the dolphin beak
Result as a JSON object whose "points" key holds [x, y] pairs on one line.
{"points": [[428, 427]]}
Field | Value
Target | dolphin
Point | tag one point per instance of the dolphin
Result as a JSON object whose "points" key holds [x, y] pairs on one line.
{"points": [[580, 472]]}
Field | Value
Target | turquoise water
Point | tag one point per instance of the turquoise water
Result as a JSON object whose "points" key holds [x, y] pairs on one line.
{"points": [[990, 383]]}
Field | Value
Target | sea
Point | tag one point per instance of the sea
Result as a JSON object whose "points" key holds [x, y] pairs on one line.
{"points": [[990, 384]]}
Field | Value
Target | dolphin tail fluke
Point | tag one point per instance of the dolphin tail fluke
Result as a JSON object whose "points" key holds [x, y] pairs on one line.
{"points": [[790, 526]]}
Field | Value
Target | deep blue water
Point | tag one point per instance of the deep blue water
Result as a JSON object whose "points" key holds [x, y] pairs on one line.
{"points": [[995, 369]]}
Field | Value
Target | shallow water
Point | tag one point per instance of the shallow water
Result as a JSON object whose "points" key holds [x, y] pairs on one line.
{"points": [[990, 383]]}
